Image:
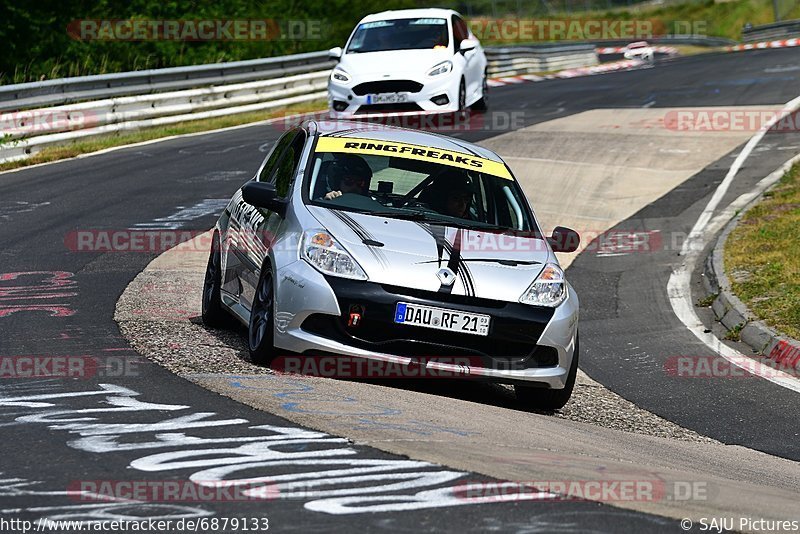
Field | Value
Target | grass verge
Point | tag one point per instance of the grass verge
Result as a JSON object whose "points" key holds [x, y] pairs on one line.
{"points": [[101, 142], [762, 256]]}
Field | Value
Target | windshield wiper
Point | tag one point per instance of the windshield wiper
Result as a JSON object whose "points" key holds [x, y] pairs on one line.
{"points": [[433, 219], [406, 215], [465, 224]]}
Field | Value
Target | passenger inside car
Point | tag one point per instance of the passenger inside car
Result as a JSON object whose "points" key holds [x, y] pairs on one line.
{"points": [[451, 193]]}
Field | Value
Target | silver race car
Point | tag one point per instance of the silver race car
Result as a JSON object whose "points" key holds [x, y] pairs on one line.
{"points": [[357, 240]]}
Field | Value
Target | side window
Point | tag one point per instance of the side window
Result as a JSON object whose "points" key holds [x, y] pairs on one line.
{"points": [[274, 157], [460, 30], [287, 168]]}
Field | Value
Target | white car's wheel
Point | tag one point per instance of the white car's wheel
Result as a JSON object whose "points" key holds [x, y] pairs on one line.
{"points": [[483, 103], [462, 96]]}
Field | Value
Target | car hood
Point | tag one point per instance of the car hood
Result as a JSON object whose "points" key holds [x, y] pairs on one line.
{"points": [[392, 64], [410, 254]]}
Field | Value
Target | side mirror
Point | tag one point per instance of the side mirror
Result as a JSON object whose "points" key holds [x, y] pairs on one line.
{"points": [[263, 195], [335, 52], [564, 239], [466, 45]]}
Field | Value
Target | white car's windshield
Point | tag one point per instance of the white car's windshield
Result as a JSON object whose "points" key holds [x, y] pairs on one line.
{"points": [[400, 34], [409, 182]]}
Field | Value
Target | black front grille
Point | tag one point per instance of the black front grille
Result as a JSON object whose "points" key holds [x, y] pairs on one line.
{"points": [[512, 340], [389, 108], [387, 86], [444, 297]]}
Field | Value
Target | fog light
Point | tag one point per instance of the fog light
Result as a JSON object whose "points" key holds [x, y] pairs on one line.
{"points": [[338, 105], [440, 100]]}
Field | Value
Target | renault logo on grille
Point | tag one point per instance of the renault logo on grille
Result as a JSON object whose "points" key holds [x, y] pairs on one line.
{"points": [[446, 276]]}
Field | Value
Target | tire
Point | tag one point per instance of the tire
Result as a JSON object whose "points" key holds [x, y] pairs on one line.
{"points": [[545, 399], [483, 103], [213, 314], [462, 97], [261, 330]]}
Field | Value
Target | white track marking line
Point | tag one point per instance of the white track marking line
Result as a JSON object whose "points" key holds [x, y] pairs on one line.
{"points": [[679, 285]]}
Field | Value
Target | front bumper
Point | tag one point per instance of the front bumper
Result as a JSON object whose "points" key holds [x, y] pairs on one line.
{"points": [[525, 343], [418, 101]]}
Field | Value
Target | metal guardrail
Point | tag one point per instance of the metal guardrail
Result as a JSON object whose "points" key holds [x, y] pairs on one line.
{"points": [[517, 60], [670, 40], [772, 32], [75, 108], [69, 90]]}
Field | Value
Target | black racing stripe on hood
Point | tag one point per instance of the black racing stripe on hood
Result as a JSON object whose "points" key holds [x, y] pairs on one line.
{"points": [[439, 235], [362, 234], [443, 245], [466, 278]]}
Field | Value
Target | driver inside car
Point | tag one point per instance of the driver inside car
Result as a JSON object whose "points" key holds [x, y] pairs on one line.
{"points": [[348, 174], [451, 194]]}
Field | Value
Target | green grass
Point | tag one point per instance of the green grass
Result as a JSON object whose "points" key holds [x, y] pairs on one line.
{"points": [[762, 256], [706, 301], [102, 142]]}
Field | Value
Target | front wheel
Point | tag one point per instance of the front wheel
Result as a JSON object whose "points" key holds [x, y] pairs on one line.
{"points": [[549, 399], [483, 103], [261, 330], [462, 96], [213, 314]]}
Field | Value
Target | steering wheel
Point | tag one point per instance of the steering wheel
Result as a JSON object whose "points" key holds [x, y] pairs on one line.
{"points": [[407, 198]]}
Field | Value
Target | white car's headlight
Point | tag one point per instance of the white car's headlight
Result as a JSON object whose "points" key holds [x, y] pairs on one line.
{"points": [[322, 251], [339, 76], [549, 288], [442, 68]]}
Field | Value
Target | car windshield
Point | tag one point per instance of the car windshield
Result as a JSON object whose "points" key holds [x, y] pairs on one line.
{"points": [[400, 34], [403, 181]]}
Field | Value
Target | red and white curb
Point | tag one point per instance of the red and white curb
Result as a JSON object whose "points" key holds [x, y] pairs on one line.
{"points": [[569, 73], [669, 50], [782, 43]]}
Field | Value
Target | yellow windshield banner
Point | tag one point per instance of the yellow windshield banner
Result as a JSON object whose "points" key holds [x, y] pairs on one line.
{"points": [[374, 147]]}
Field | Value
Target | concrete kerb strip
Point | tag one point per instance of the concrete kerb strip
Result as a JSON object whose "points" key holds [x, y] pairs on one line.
{"points": [[729, 310]]}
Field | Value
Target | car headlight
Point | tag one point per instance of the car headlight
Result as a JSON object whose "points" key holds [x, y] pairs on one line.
{"points": [[442, 68], [322, 251], [549, 288], [339, 76]]}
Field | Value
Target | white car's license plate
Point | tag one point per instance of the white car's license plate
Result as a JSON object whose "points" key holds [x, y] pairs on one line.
{"points": [[442, 319], [387, 98]]}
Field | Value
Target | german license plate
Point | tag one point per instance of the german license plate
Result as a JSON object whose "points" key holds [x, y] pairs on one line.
{"points": [[387, 98], [442, 319]]}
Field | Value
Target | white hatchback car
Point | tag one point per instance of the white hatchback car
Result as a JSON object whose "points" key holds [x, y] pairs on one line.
{"points": [[414, 60], [639, 50]]}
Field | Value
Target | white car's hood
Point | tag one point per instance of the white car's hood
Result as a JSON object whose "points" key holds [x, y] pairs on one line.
{"points": [[409, 254], [393, 64]]}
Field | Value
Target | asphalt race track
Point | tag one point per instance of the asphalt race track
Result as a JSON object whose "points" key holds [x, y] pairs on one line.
{"points": [[58, 302]]}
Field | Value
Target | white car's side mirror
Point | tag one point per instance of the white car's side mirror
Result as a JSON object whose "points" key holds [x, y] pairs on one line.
{"points": [[467, 45], [335, 52]]}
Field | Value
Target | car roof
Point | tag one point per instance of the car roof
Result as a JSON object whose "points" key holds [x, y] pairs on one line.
{"points": [[380, 132], [433, 12]]}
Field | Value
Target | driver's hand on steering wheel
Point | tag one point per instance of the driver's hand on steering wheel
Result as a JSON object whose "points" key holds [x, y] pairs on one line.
{"points": [[330, 195]]}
